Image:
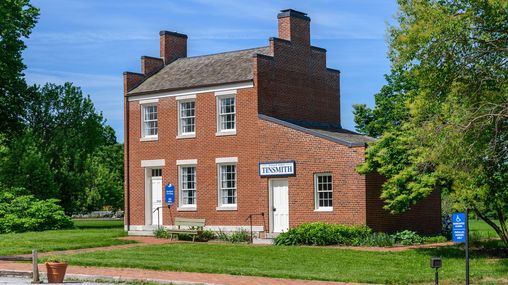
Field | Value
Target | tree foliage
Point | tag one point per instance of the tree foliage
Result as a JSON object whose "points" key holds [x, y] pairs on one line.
{"points": [[54, 145], [17, 18], [449, 129]]}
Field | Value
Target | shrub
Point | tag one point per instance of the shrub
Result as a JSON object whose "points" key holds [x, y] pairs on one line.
{"points": [[161, 232], [379, 239], [407, 238], [201, 236], [234, 237], [23, 213], [319, 233], [206, 235], [434, 239], [239, 236]]}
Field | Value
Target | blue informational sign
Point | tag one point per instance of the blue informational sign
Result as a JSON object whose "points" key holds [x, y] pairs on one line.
{"points": [[459, 227], [170, 194]]}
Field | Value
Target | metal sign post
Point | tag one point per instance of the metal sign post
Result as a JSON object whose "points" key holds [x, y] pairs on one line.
{"points": [[466, 246], [460, 233]]}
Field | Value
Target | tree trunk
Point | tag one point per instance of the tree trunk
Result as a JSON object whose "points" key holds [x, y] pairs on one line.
{"points": [[501, 232]]}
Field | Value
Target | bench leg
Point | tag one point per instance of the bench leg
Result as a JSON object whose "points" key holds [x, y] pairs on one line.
{"points": [[193, 237]]}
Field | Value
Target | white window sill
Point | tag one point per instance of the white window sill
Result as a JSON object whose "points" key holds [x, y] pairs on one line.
{"points": [[226, 208], [187, 209], [147, 139], [186, 136], [324, 209], [225, 133]]}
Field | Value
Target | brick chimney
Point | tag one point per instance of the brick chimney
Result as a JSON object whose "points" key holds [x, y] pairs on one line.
{"points": [[173, 46], [294, 26]]}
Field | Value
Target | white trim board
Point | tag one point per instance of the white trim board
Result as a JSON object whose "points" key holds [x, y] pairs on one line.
{"points": [[134, 228], [187, 162], [153, 163], [190, 91], [226, 160]]}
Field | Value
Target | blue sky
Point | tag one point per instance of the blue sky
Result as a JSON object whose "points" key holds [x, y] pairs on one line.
{"points": [[92, 42]]}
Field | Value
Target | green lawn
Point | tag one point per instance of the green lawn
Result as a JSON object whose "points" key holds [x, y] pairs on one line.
{"points": [[88, 234], [98, 224], [482, 228], [300, 262]]}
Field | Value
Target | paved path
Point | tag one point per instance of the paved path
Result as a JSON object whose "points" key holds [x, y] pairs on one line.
{"points": [[123, 274]]}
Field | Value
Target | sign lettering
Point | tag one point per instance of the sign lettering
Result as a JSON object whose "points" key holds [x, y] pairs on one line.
{"points": [[285, 168], [459, 227], [170, 194]]}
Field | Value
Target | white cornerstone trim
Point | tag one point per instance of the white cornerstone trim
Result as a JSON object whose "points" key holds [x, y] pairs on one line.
{"points": [[153, 163], [226, 160], [190, 91], [186, 162]]}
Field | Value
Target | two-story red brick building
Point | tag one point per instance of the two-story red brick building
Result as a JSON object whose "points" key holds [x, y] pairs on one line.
{"points": [[248, 132]]}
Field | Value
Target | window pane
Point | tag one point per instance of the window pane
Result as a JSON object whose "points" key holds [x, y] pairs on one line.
{"points": [[187, 117], [150, 121], [188, 185], [324, 190], [227, 184], [227, 115]]}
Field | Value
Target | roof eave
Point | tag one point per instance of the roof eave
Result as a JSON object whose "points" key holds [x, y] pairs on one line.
{"points": [[185, 88], [311, 132]]}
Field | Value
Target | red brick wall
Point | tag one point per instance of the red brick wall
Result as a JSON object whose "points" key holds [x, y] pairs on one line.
{"points": [[205, 148], [295, 84], [424, 217], [294, 29], [315, 155], [172, 46]]}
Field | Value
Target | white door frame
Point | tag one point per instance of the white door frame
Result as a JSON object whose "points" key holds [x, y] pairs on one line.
{"points": [[159, 220], [270, 202]]}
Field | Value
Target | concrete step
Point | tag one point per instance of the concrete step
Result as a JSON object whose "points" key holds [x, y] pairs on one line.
{"points": [[262, 241], [140, 233]]}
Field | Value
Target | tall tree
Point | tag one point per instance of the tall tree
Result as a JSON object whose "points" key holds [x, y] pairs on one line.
{"points": [[69, 131], [17, 18], [454, 132]]}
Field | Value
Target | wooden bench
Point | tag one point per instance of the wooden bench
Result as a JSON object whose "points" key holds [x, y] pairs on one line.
{"points": [[193, 227]]}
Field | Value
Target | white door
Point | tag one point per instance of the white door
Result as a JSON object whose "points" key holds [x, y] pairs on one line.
{"points": [[280, 205], [156, 200]]}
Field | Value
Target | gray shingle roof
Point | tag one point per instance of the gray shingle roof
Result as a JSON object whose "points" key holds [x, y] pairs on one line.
{"points": [[331, 133], [189, 72]]}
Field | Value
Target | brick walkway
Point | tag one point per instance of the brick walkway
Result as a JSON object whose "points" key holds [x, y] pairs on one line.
{"points": [[141, 241], [124, 274]]}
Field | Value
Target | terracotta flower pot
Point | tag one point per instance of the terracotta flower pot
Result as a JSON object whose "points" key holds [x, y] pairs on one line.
{"points": [[56, 271]]}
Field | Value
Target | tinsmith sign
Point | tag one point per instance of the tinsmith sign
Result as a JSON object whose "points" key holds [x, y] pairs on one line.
{"points": [[278, 168]]}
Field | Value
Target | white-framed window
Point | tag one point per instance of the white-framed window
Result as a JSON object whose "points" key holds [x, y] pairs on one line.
{"points": [[323, 186], [187, 117], [227, 185], [226, 113], [149, 123], [188, 185]]}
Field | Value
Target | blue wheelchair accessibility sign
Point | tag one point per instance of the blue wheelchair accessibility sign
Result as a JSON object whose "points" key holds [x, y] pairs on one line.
{"points": [[459, 227]]}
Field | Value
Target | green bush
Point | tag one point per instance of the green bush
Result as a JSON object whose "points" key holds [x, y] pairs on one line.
{"points": [[204, 236], [379, 239], [161, 232], [407, 238], [319, 233], [434, 239], [234, 237], [23, 213]]}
